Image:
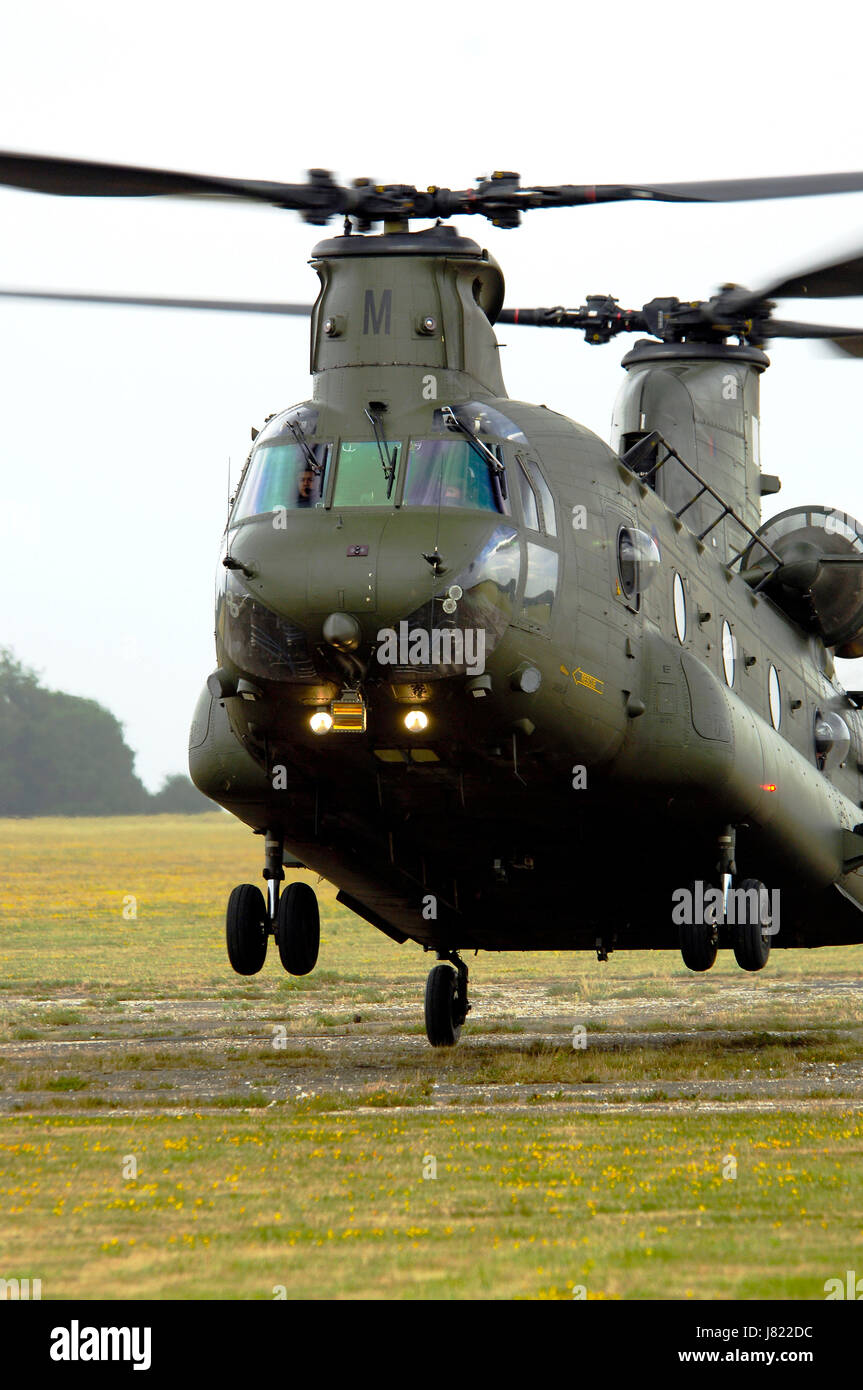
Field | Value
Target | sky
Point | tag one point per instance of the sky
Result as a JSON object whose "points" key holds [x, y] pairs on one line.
{"points": [[118, 427]]}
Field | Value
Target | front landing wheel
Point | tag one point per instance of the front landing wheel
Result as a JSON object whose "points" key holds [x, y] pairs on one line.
{"points": [[298, 929], [444, 1011], [246, 929]]}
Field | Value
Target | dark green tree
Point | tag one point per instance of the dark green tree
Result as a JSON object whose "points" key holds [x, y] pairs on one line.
{"points": [[60, 754], [179, 795]]}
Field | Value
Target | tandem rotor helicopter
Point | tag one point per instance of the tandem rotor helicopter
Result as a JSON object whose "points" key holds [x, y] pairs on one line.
{"points": [[467, 652]]}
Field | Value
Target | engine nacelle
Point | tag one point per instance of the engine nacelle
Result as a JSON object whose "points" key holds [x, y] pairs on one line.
{"points": [[826, 599]]}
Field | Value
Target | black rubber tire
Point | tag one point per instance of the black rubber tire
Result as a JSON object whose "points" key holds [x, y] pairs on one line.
{"points": [[442, 1007], [246, 929], [698, 940], [751, 946], [697, 945], [298, 929]]}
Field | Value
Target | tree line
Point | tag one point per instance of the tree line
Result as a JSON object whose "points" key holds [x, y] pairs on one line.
{"points": [[62, 755]]}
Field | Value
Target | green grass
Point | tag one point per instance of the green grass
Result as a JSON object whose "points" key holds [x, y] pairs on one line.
{"points": [[527, 1207], [261, 1166]]}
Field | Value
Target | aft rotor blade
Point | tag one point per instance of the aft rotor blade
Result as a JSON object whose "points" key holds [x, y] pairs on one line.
{"points": [[786, 328], [233, 306], [535, 318], [848, 347], [838, 280]]}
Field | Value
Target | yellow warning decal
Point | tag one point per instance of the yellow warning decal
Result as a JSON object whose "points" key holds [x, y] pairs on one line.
{"points": [[591, 682]]}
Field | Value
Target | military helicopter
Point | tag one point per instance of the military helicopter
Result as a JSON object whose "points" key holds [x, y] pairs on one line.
{"points": [[507, 686]]}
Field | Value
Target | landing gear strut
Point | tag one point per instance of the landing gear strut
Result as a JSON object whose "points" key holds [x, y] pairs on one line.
{"points": [[291, 917], [699, 940], [742, 912], [446, 1001]]}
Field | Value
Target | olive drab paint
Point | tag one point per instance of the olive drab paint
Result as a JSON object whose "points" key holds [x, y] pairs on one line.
{"points": [[665, 707]]}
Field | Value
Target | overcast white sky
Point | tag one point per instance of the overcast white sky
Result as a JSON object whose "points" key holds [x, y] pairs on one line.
{"points": [[116, 425]]}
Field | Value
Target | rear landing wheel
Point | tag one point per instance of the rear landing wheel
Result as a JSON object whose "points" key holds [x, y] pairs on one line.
{"points": [[298, 929], [246, 929], [698, 945], [444, 1010], [752, 936], [698, 940]]}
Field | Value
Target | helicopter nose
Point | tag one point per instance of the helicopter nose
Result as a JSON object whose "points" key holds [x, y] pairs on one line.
{"points": [[341, 577]]}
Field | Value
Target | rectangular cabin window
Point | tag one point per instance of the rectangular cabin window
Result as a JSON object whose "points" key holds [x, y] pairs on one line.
{"points": [[450, 473], [361, 480], [281, 475], [540, 585]]}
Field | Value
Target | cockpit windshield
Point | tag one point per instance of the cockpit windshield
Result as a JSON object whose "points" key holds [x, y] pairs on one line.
{"points": [[364, 479], [281, 476], [449, 473]]}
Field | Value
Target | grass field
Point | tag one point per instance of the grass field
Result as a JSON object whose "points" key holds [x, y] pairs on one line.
{"points": [[171, 1130]]}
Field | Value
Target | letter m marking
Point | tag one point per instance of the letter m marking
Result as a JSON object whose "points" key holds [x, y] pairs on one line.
{"points": [[376, 314]]}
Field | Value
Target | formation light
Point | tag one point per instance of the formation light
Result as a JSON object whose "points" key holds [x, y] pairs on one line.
{"points": [[416, 720], [321, 721]]}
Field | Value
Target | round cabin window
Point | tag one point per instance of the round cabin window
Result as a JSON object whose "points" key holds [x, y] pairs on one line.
{"points": [[727, 652], [679, 608], [775, 696], [832, 740], [627, 562]]}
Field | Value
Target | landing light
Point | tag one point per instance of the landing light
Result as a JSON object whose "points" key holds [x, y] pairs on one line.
{"points": [[321, 722], [416, 720]]}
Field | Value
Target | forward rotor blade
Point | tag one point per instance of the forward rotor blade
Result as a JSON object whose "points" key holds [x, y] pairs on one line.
{"points": [[500, 198], [86, 178], [745, 190], [233, 306]]}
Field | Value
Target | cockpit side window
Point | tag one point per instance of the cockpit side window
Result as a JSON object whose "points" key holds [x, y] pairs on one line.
{"points": [[450, 473], [281, 476], [529, 500], [532, 481]]}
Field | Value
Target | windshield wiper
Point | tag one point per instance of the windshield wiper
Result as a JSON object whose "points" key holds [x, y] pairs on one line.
{"points": [[299, 435], [373, 415], [498, 470]]}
